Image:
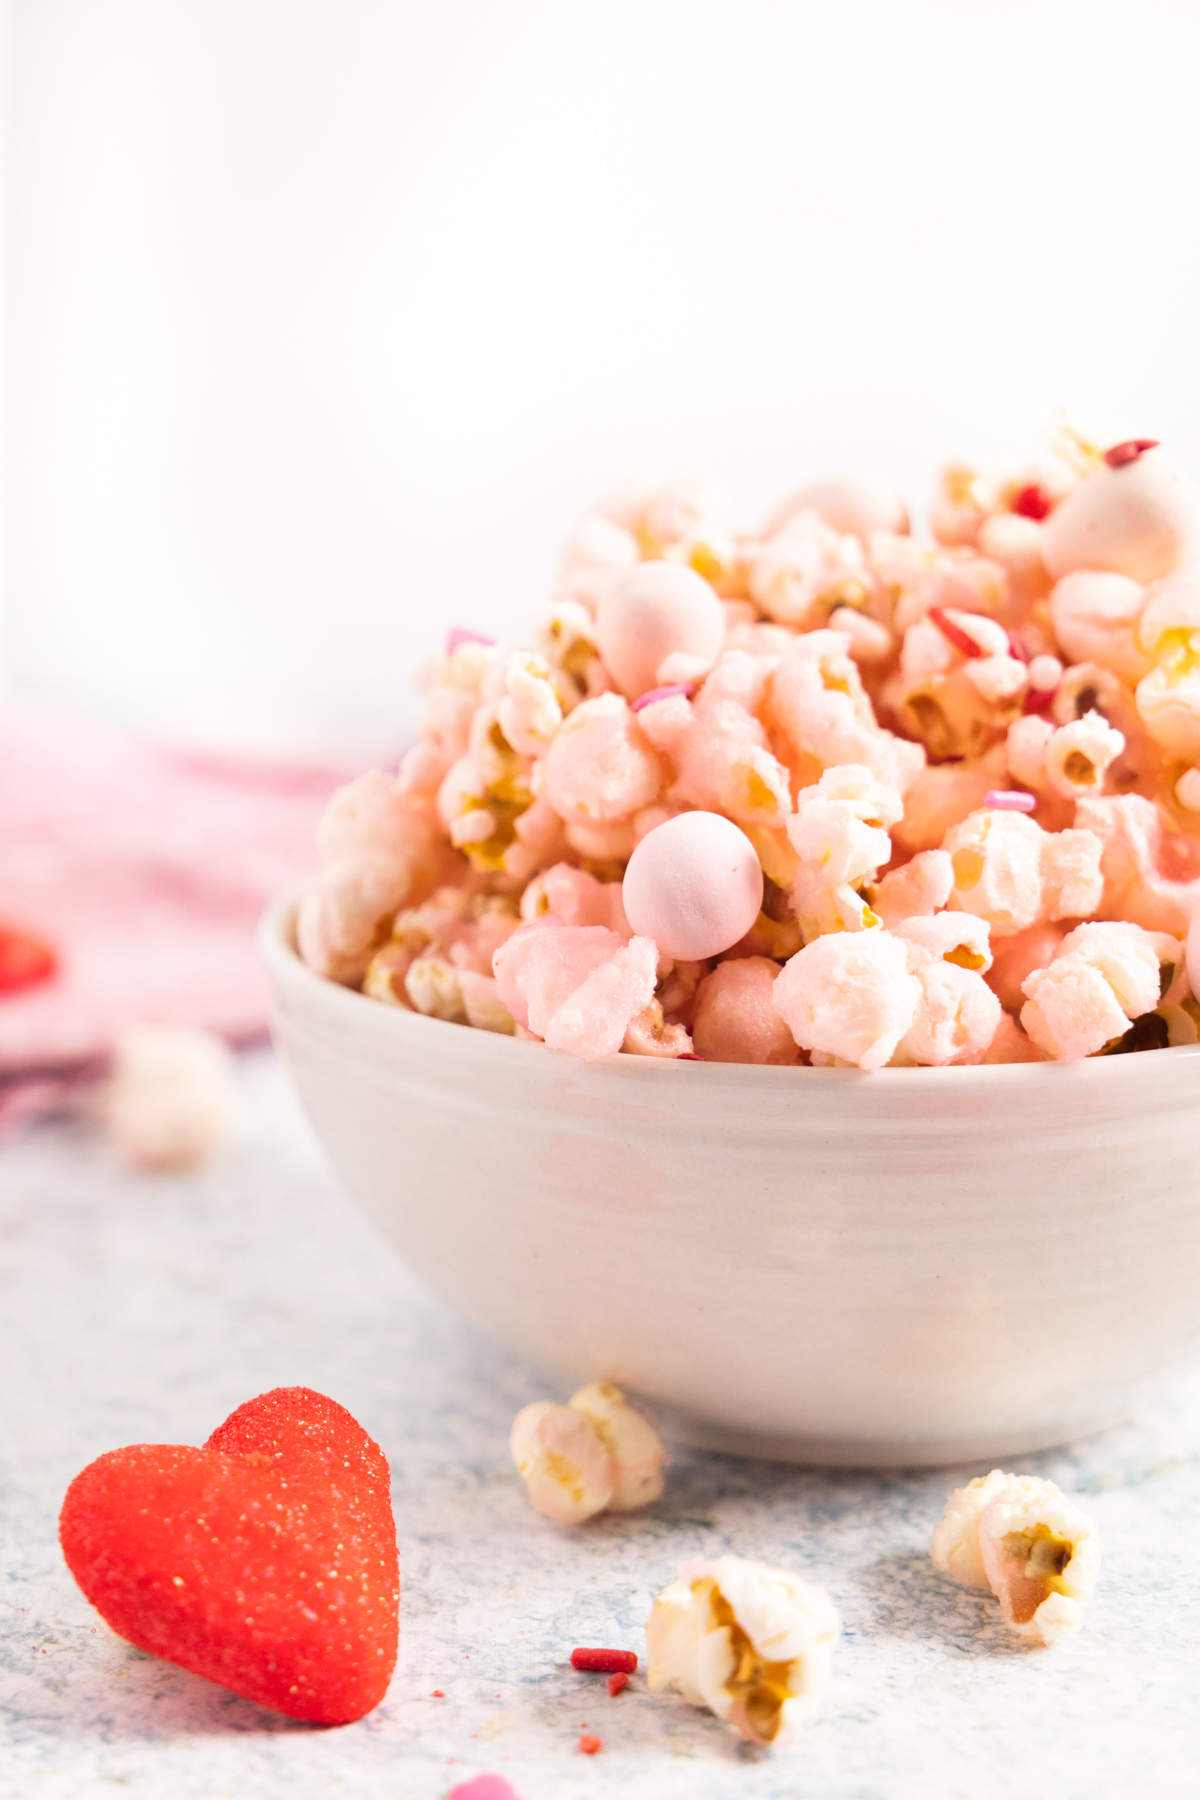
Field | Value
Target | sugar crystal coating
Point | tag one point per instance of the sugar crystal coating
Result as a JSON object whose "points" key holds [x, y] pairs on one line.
{"points": [[887, 730], [265, 1561]]}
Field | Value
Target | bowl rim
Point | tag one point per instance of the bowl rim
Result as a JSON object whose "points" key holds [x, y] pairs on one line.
{"points": [[277, 948]]}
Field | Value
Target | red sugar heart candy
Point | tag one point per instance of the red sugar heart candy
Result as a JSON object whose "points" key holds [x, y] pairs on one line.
{"points": [[265, 1561]]}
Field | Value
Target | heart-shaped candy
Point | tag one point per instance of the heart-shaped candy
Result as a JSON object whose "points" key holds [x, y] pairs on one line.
{"points": [[265, 1561]]}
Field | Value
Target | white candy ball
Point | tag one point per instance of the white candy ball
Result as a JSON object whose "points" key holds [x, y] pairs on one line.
{"points": [[851, 503], [657, 610], [694, 885], [1140, 519]]}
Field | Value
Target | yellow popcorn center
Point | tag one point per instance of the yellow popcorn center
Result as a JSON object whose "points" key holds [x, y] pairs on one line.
{"points": [[1045, 1556], [1079, 769], [566, 1473], [1178, 654], [758, 1687], [968, 869], [505, 799], [965, 957], [759, 797]]}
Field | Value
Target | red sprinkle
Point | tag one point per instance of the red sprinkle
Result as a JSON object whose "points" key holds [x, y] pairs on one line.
{"points": [[1037, 701], [953, 634], [1010, 800], [462, 634], [617, 1682], [1129, 451], [24, 959], [606, 1662], [690, 1056], [1016, 648], [662, 693], [1033, 502], [438, 1694], [590, 1746]]}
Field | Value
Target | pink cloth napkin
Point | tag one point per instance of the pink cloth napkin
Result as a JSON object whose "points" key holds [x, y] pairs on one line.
{"points": [[147, 868]]}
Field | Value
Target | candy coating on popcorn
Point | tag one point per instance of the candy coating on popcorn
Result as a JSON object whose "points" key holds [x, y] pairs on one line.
{"points": [[827, 790], [751, 1643]]}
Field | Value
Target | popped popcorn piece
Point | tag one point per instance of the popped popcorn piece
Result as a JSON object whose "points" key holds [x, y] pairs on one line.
{"points": [[1102, 976], [751, 1643], [694, 885], [1019, 955], [818, 700], [563, 1462], [631, 1441], [482, 1004], [956, 1015], [955, 1550], [735, 1019], [719, 748], [169, 1100], [858, 504], [650, 1033], [839, 835], [600, 766], [576, 898], [1077, 756], [920, 886], [1150, 877], [597, 1453], [1041, 1556], [530, 711], [577, 987], [850, 995], [941, 796], [1010, 872], [1095, 614], [652, 612]]}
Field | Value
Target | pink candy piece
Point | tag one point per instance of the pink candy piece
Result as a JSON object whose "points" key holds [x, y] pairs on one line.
{"points": [[1010, 800], [462, 634], [484, 1787], [661, 693], [654, 611], [694, 885]]}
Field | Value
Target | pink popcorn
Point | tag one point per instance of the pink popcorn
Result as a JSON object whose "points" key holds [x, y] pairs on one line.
{"points": [[694, 885], [650, 1033], [654, 611], [576, 898], [1095, 615], [839, 835], [942, 795], [1010, 872], [921, 886], [1041, 1557], [820, 704], [600, 767], [1102, 976], [1150, 876], [530, 711], [1019, 955], [563, 1462], [630, 1440], [953, 937], [577, 987], [445, 726], [735, 1019], [723, 762], [956, 1014], [849, 995], [858, 504], [801, 574]]}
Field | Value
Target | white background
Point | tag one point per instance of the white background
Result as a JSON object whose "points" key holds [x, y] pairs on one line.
{"points": [[325, 316]]}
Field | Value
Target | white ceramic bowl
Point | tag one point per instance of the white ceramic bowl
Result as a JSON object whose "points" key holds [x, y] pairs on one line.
{"points": [[914, 1266]]}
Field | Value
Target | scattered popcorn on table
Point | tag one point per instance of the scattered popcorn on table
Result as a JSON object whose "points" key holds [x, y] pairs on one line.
{"points": [[1024, 1539], [753, 1644], [169, 1102], [597, 1454], [735, 798]]}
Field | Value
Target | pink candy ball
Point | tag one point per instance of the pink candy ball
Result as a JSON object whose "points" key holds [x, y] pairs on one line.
{"points": [[694, 885], [650, 612]]}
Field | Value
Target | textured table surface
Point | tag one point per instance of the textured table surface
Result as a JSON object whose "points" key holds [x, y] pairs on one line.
{"points": [[138, 1309]]}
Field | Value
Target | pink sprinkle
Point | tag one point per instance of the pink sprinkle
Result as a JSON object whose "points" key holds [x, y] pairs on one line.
{"points": [[462, 634], [1010, 800], [663, 693], [690, 1056]]}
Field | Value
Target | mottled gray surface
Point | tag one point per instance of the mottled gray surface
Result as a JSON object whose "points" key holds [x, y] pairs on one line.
{"points": [[146, 1309]]}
